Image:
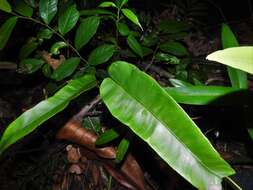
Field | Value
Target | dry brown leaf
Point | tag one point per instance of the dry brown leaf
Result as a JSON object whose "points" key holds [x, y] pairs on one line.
{"points": [[54, 63]]}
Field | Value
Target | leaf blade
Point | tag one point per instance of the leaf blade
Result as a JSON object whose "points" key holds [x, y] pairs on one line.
{"points": [[68, 19], [6, 30], [48, 10], [129, 103], [31, 119], [66, 68], [135, 45], [101, 54], [86, 31], [132, 17], [236, 57], [237, 77], [5, 6]]}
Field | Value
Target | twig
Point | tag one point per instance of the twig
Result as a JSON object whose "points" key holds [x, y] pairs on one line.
{"points": [[152, 60], [54, 31], [8, 65], [79, 116]]}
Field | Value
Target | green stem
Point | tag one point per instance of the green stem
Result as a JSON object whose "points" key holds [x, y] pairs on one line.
{"points": [[55, 32]]}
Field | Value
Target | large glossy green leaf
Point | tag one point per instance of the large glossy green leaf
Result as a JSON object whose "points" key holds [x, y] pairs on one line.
{"points": [[236, 57], [5, 6], [237, 77], [101, 54], [86, 31], [66, 68], [139, 102], [31, 119], [131, 16], [202, 95], [134, 45], [68, 19], [6, 30], [48, 9], [180, 83]]}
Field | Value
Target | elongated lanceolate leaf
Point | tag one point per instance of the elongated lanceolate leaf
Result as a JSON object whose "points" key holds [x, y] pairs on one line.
{"points": [[68, 19], [48, 9], [236, 57], [31, 119], [139, 102], [86, 31], [6, 30], [134, 45], [5, 6], [237, 77], [107, 4], [131, 16], [202, 95]]}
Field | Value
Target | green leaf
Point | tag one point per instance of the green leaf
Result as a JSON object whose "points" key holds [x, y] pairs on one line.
{"points": [[45, 34], [92, 12], [55, 49], [236, 57], [101, 54], [107, 137], [48, 10], [180, 83], [27, 49], [32, 65], [6, 30], [46, 70], [86, 31], [202, 95], [139, 102], [238, 78], [122, 150], [32, 118], [164, 57], [123, 29], [134, 45], [172, 26], [66, 68], [121, 3], [250, 131], [24, 9], [68, 19], [174, 48], [131, 16], [5, 6], [107, 4], [93, 123]]}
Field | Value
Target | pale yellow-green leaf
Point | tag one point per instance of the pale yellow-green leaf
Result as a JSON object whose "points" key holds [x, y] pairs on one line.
{"points": [[236, 57]]}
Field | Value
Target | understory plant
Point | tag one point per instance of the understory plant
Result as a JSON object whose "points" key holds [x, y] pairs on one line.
{"points": [[77, 50]]}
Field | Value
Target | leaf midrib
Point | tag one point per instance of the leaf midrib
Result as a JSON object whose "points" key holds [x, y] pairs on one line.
{"points": [[179, 140]]}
